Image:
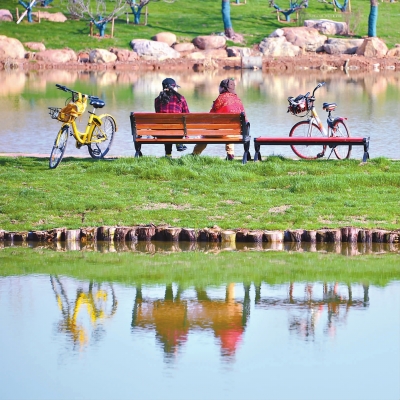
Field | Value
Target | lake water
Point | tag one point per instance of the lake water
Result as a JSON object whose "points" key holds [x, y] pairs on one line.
{"points": [[369, 101], [64, 338]]}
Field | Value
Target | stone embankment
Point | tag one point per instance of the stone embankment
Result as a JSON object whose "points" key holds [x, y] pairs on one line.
{"points": [[121, 234], [290, 48]]}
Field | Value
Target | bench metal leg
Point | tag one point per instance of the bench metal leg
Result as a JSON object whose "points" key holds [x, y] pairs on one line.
{"points": [[366, 148], [138, 148], [257, 154], [246, 155]]}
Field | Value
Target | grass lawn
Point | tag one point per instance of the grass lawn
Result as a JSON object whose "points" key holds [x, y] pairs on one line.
{"points": [[198, 192], [188, 19]]}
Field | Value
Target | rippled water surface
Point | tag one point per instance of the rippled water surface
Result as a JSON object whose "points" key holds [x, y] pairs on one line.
{"points": [[369, 101]]}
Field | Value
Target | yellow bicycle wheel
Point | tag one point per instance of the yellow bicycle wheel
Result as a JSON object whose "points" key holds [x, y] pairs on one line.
{"points": [[102, 137], [59, 147]]}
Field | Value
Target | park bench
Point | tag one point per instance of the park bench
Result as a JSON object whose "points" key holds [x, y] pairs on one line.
{"points": [[190, 128], [331, 142]]}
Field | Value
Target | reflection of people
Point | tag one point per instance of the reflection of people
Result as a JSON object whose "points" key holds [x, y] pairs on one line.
{"points": [[170, 101], [227, 102]]}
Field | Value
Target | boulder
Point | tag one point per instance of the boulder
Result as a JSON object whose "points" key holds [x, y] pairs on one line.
{"points": [[165, 37], [124, 55], [35, 46], [327, 27], [6, 16], [342, 46], [278, 47], [183, 47], [372, 47], [101, 56], [154, 50], [395, 52], [209, 42], [57, 56], [54, 17], [238, 51], [11, 48], [308, 39], [216, 53], [196, 55]]}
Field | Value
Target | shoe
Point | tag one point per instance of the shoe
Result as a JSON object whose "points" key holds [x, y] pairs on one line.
{"points": [[168, 155], [230, 157], [181, 147]]}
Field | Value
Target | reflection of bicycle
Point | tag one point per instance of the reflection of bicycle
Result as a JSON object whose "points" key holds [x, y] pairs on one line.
{"points": [[99, 133], [302, 106]]}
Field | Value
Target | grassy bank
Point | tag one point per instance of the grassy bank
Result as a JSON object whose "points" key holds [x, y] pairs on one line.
{"points": [[199, 192], [201, 269], [188, 19]]}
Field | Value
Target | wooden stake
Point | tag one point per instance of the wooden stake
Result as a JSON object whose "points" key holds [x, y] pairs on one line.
{"points": [[112, 28], [145, 17], [17, 13]]}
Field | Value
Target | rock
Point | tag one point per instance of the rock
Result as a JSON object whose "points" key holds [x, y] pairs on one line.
{"points": [[395, 52], [216, 53], [101, 56], [372, 47], [36, 46], [54, 17], [124, 55], [165, 37], [183, 47], [196, 55], [342, 46], [56, 56], [209, 42], [11, 48], [238, 51], [278, 47], [154, 50], [6, 16], [327, 27], [308, 39]]}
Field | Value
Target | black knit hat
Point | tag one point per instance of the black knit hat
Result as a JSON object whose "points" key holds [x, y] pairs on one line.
{"points": [[169, 82]]}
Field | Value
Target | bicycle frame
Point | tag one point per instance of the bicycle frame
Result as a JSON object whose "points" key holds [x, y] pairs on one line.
{"points": [[86, 137]]}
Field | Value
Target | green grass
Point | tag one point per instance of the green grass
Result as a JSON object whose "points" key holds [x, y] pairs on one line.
{"points": [[188, 19], [199, 192], [202, 269]]}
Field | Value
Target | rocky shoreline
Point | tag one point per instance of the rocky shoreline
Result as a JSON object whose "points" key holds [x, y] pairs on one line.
{"points": [[315, 61]]}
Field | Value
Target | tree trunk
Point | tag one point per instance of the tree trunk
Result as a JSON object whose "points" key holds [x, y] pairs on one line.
{"points": [[226, 18], [373, 18]]}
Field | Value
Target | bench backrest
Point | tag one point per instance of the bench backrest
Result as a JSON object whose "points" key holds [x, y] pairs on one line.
{"points": [[188, 124]]}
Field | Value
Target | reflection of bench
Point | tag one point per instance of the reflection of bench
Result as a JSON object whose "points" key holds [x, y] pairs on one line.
{"points": [[190, 128], [331, 142]]}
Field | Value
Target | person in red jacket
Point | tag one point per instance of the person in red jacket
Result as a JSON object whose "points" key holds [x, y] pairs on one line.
{"points": [[170, 101], [227, 102]]}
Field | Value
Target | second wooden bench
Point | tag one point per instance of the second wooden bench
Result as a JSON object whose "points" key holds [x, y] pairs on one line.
{"points": [[190, 128]]}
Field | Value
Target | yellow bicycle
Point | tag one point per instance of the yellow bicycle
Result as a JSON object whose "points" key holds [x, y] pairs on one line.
{"points": [[100, 129]]}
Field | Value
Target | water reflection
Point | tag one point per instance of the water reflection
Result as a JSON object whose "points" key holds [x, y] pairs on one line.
{"points": [[366, 99], [84, 309], [153, 247], [163, 341], [309, 305], [173, 317]]}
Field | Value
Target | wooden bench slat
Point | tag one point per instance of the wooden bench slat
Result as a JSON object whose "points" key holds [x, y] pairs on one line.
{"points": [[190, 140], [190, 132], [191, 118], [204, 125]]}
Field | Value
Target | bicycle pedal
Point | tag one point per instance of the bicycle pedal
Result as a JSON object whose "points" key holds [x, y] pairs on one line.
{"points": [[78, 145]]}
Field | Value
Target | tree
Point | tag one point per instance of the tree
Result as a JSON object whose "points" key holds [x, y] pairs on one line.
{"points": [[293, 7], [83, 9], [342, 8], [226, 18], [137, 8], [373, 18]]}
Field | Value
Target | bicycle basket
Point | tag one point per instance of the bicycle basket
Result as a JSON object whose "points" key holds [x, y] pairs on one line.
{"points": [[68, 113], [297, 106]]}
